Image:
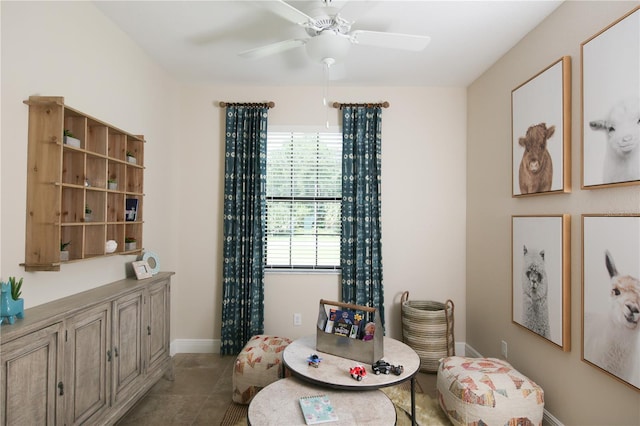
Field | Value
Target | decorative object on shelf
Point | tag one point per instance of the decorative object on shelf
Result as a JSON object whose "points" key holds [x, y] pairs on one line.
{"points": [[130, 243], [70, 140], [110, 246], [130, 158], [64, 253], [153, 261], [87, 213], [112, 184], [131, 209], [10, 307], [141, 268], [87, 183]]}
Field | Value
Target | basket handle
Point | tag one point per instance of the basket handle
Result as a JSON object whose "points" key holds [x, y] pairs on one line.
{"points": [[405, 297], [348, 306], [448, 303]]}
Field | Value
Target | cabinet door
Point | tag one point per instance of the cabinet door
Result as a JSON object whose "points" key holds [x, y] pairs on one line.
{"points": [[87, 360], [158, 323], [127, 344], [29, 376]]}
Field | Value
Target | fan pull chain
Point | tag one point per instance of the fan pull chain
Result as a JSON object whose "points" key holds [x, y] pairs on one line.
{"points": [[326, 64]]}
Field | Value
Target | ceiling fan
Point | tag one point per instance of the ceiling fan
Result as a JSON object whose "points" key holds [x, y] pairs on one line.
{"points": [[329, 35]]}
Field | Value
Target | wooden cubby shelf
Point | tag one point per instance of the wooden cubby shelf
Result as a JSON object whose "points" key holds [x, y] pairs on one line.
{"points": [[78, 187]]}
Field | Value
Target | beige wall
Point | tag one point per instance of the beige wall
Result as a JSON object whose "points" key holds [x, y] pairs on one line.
{"points": [[423, 206], [71, 49], [576, 393]]}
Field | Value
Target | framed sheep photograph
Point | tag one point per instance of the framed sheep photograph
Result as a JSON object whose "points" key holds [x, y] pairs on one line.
{"points": [[541, 132], [611, 295], [541, 276], [610, 62]]}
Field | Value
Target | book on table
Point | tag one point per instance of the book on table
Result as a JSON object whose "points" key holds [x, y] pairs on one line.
{"points": [[317, 409]]}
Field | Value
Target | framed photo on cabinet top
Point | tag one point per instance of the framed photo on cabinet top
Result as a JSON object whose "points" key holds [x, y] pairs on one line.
{"points": [[541, 276], [611, 295], [610, 62], [541, 132]]}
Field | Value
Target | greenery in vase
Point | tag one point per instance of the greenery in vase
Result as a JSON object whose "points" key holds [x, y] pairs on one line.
{"points": [[67, 133], [87, 210], [129, 240], [112, 181], [63, 246], [15, 288], [129, 154]]}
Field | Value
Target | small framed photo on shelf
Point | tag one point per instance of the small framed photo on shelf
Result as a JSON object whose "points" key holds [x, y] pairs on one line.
{"points": [[141, 268], [131, 210]]}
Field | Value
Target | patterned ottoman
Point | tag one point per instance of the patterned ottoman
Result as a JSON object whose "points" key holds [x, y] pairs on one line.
{"points": [[258, 365], [489, 391]]}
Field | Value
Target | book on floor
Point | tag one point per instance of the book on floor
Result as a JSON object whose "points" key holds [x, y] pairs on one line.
{"points": [[317, 409]]}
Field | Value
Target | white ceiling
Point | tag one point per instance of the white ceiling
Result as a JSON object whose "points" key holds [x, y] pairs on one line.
{"points": [[199, 41]]}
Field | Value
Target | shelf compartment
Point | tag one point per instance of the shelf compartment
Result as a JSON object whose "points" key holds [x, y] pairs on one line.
{"points": [[96, 137], [134, 230], [72, 205], [116, 232], [72, 166], [134, 179], [117, 145], [73, 234], [96, 171], [96, 202], [117, 171], [95, 239], [76, 124], [115, 207], [135, 145]]}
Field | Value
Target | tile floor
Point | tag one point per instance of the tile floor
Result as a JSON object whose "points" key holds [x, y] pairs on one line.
{"points": [[200, 393]]}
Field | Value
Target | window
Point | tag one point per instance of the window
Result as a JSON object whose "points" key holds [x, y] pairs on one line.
{"points": [[304, 186]]}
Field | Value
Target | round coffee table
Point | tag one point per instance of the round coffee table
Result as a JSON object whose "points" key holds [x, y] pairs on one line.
{"points": [[333, 371], [279, 404]]}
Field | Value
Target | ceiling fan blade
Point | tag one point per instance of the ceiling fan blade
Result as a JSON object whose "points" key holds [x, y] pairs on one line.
{"points": [[272, 49], [390, 40], [286, 11]]}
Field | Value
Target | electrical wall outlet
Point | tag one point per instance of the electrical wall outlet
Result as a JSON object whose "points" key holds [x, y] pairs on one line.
{"points": [[504, 349], [297, 319]]}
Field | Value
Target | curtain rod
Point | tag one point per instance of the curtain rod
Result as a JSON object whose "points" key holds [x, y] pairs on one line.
{"points": [[384, 104], [269, 104]]}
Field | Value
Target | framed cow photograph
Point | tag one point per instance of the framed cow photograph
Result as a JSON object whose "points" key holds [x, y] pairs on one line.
{"points": [[541, 281], [541, 132], [611, 105]]}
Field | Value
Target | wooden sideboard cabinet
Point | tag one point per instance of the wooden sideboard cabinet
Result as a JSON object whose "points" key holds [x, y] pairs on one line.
{"points": [[86, 358]]}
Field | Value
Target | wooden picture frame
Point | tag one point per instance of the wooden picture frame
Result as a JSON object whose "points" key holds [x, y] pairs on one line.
{"points": [[541, 132], [541, 276], [611, 295], [610, 61], [142, 269]]}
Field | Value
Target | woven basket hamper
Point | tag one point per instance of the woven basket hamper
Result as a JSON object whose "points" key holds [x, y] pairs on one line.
{"points": [[427, 327]]}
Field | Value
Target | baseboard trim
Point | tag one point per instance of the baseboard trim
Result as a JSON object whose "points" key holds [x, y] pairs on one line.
{"points": [[194, 346], [548, 419]]}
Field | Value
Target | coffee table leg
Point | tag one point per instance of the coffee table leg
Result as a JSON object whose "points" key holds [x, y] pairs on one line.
{"points": [[413, 401]]}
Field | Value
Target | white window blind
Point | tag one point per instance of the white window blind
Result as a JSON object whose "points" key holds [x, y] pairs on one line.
{"points": [[304, 178]]}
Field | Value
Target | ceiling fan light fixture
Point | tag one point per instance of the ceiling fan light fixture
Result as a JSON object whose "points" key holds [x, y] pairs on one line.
{"points": [[328, 45]]}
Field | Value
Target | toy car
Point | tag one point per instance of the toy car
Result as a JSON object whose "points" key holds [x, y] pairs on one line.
{"points": [[314, 360], [397, 369], [358, 372], [381, 367]]}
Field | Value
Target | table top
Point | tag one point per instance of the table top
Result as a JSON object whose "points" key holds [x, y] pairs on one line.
{"points": [[333, 370], [279, 404]]}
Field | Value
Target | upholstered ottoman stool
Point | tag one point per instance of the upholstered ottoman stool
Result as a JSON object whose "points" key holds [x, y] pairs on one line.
{"points": [[257, 365], [487, 391]]}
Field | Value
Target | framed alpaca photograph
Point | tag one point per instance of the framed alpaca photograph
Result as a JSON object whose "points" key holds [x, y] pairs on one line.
{"points": [[541, 276], [610, 61], [541, 132], [611, 295]]}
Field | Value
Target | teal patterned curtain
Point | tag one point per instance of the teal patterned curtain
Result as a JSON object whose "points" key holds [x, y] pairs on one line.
{"points": [[360, 242], [244, 219]]}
